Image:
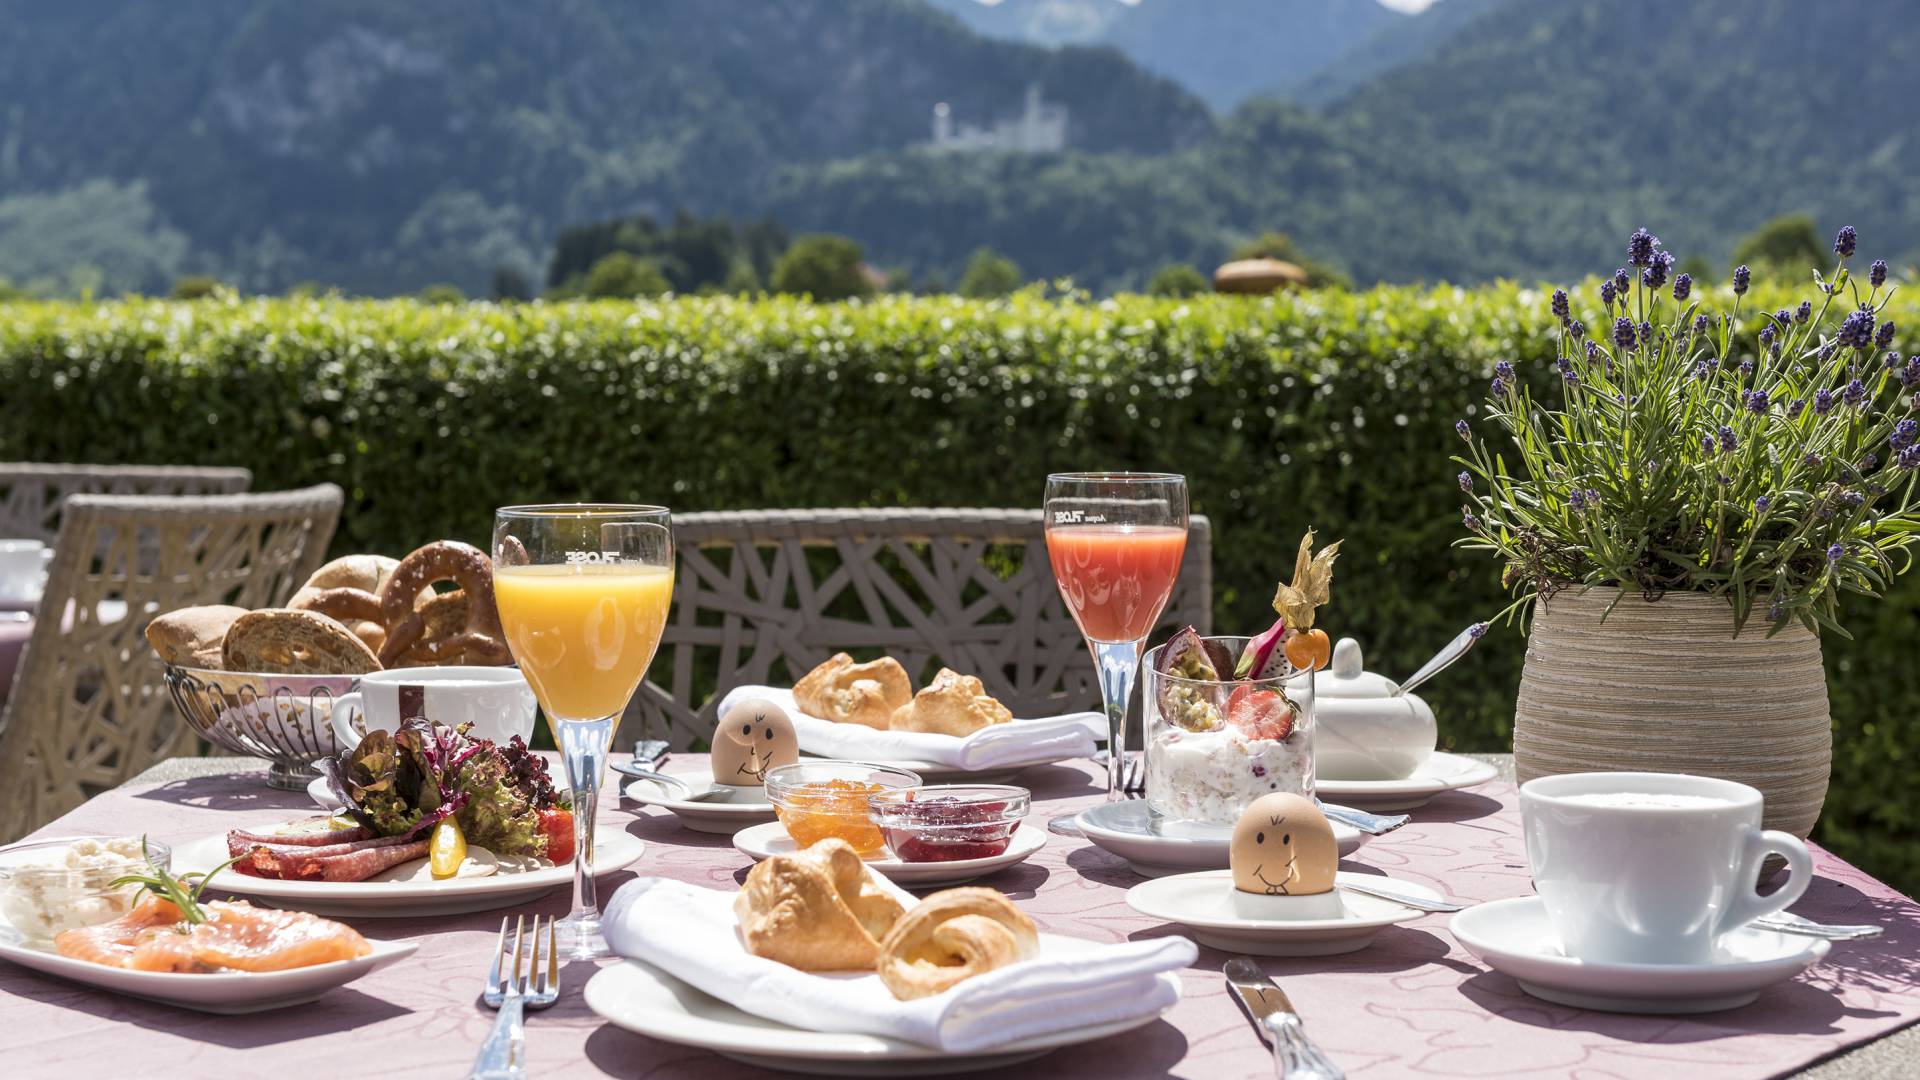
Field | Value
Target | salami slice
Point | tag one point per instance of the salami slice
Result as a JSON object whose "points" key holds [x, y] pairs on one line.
{"points": [[357, 864]]}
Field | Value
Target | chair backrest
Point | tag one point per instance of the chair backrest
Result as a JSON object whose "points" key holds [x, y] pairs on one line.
{"points": [[762, 596], [88, 709], [31, 494]]}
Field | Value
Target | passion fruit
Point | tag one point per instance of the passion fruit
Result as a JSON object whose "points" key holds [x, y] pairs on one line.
{"points": [[1191, 693]]}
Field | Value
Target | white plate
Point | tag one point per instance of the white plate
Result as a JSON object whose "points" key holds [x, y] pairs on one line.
{"points": [[1156, 846], [706, 815], [1515, 937], [934, 773], [762, 841], [1440, 772], [1204, 903], [390, 895], [228, 993], [641, 998]]}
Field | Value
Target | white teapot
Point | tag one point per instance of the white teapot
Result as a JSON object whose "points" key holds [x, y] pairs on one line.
{"points": [[1365, 727]]}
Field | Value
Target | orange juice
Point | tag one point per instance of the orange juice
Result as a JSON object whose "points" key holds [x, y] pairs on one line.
{"points": [[583, 633], [1116, 578]]}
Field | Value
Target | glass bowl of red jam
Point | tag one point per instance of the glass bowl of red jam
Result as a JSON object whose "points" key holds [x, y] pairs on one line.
{"points": [[817, 799], [948, 822]]}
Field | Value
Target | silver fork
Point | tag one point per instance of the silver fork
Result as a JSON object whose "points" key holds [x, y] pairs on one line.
{"points": [[1133, 777], [503, 1055]]}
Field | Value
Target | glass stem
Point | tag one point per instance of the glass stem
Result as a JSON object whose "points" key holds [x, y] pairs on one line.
{"points": [[583, 751], [1118, 662]]}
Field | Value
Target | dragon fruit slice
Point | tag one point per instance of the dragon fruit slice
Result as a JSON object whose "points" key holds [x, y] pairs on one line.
{"points": [[1263, 657]]}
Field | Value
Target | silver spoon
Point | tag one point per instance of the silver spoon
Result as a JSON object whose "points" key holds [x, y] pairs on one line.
{"points": [[1453, 650], [693, 794], [1786, 922], [1415, 902], [1371, 824]]}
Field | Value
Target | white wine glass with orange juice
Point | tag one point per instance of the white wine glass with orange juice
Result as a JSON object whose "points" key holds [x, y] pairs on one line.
{"points": [[583, 591], [1115, 540]]}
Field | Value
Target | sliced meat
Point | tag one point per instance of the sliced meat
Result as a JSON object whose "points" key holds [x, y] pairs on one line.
{"points": [[237, 844], [320, 838], [296, 864]]}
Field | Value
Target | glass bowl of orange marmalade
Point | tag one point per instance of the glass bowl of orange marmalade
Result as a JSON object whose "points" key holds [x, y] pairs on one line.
{"points": [[820, 799]]}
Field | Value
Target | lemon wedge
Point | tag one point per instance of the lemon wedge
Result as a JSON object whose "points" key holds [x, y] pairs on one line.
{"points": [[446, 849]]}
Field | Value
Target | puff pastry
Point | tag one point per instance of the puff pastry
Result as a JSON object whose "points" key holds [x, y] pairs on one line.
{"points": [[849, 693], [952, 936], [952, 704], [816, 910]]}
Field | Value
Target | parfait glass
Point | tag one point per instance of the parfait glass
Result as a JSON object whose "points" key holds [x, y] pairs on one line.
{"points": [[1115, 540], [583, 590]]}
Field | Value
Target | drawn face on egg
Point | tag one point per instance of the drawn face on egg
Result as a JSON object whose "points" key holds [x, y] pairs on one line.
{"points": [[752, 737], [1283, 846]]}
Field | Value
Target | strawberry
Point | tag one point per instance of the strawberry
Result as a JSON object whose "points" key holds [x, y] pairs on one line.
{"points": [[1260, 714], [557, 826]]}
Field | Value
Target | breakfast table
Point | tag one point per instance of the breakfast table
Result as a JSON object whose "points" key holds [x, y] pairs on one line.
{"points": [[1414, 1004]]}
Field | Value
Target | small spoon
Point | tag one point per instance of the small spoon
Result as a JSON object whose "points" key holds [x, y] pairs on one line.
{"points": [[1453, 650], [693, 794], [1371, 824], [1415, 902], [1786, 922]]}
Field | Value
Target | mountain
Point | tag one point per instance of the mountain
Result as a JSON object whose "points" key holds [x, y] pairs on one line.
{"points": [[381, 146], [1527, 148], [1222, 50], [1390, 46]]}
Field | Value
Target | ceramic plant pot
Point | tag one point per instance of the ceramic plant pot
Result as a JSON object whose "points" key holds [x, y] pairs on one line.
{"points": [[1664, 686]]}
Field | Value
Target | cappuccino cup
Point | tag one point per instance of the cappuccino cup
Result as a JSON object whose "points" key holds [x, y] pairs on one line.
{"points": [[1652, 868], [496, 700]]}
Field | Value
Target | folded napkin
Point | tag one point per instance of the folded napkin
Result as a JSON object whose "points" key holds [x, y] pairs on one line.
{"points": [[1017, 742], [689, 932]]}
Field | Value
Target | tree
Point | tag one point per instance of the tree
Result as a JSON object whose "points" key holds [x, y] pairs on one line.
{"points": [[510, 284], [741, 280], [823, 266], [1699, 268], [442, 293], [1278, 245], [989, 274], [195, 287], [1789, 242], [1177, 279], [618, 276]]}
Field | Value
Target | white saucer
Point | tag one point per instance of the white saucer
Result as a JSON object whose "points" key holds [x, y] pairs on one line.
{"points": [[1514, 937], [728, 814], [762, 841], [638, 997], [1204, 903], [1440, 772], [936, 773], [1155, 846]]}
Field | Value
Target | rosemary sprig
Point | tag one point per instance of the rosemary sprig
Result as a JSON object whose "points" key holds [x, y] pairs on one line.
{"points": [[183, 891]]}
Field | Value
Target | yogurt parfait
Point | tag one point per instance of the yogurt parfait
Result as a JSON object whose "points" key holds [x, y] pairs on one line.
{"points": [[1216, 744]]}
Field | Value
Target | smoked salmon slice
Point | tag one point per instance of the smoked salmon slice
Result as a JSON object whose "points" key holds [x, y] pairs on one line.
{"points": [[237, 936]]}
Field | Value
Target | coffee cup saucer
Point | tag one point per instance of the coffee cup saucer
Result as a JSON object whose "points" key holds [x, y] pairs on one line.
{"points": [[1155, 846], [1214, 913], [1516, 938]]}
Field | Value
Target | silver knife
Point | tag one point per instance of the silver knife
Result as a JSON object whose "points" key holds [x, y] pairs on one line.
{"points": [[1294, 1055]]}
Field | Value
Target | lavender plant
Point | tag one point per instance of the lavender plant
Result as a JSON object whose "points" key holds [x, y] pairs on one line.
{"points": [[1768, 457]]}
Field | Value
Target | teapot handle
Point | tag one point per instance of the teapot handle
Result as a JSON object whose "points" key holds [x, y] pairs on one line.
{"points": [[1453, 650]]}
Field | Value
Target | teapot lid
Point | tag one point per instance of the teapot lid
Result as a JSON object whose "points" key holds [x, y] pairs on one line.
{"points": [[1345, 678]]}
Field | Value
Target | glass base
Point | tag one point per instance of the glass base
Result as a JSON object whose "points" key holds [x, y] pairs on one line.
{"points": [[1066, 825], [580, 939]]}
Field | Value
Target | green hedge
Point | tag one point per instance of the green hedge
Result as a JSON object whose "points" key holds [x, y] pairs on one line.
{"points": [[1330, 409]]}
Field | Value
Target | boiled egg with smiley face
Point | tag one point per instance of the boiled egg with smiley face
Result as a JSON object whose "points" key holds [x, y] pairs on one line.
{"points": [[752, 737], [1283, 846]]}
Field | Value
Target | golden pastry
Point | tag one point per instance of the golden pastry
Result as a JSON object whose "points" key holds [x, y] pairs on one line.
{"points": [[952, 936], [1283, 846], [281, 641], [849, 693], [816, 910], [192, 637], [952, 704]]}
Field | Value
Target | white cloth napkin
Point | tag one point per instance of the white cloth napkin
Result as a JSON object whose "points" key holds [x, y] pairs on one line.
{"points": [[1018, 742], [689, 932]]}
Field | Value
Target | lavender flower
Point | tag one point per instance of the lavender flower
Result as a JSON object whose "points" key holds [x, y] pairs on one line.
{"points": [[1910, 375], [1853, 499], [1498, 388], [1467, 518], [1884, 336], [1746, 367], [1460, 428], [1905, 434], [1822, 401], [1646, 333], [1766, 335], [1706, 444], [1703, 369], [1640, 247], [1683, 287], [1728, 443], [1757, 402], [1503, 370], [1623, 332], [1836, 553], [1621, 282], [1892, 361], [1760, 504], [1477, 631], [1877, 274], [1909, 458], [1857, 330], [1466, 481], [1578, 500], [1655, 275], [1845, 242], [1869, 462], [1827, 351], [1606, 293], [1577, 328], [1741, 276], [1777, 611], [1804, 312], [1811, 461], [1560, 307], [1595, 355], [1702, 323], [1796, 407], [1566, 370], [1781, 318], [1856, 392]]}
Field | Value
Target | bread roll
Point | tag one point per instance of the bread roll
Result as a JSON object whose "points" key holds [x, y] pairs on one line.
{"points": [[192, 637]]}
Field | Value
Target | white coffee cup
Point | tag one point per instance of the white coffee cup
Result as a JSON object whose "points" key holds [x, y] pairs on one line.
{"points": [[23, 570], [496, 700], [1652, 868]]}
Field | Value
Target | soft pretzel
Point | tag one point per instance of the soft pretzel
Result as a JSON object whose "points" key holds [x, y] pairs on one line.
{"points": [[952, 936], [442, 560], [356, 609], [816, 910], [849, 693], [952, 704], [444, 620], [282, 641]]}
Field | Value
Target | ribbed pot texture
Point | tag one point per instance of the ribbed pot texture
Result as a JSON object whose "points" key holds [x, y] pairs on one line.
{"points": [[1664, 686]]}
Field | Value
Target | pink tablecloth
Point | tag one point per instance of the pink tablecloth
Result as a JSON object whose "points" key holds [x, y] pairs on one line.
{"points": [[1415, 1004]]}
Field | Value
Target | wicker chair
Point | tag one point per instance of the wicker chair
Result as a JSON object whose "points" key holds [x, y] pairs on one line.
{"points": [[31, 494], [762, 596], [88, 709]]}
